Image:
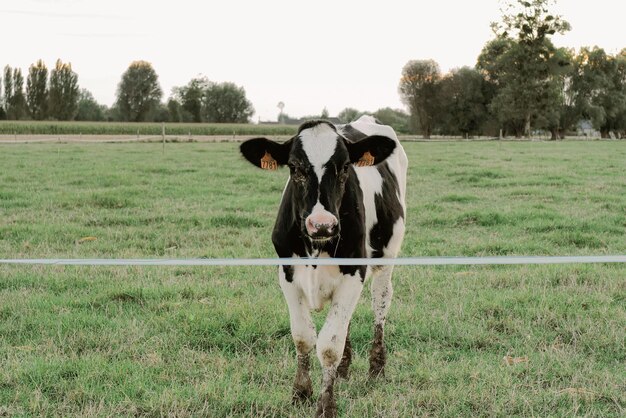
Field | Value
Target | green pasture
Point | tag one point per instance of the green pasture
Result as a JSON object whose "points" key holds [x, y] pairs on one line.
{"points": [[200, 341]]}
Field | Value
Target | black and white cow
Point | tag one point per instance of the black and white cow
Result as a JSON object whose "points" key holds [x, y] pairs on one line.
{"points": [[345, 197]]}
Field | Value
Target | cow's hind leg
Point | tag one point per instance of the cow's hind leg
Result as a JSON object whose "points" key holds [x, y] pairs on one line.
{"points": [[304, 334], [382, 291]]}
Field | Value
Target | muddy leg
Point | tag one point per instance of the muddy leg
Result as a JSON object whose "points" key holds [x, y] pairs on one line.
{"points": [[302, 387], [346, 359], [332, 339], [382, 291], [303, 333], [378, 353], [326, 405]]}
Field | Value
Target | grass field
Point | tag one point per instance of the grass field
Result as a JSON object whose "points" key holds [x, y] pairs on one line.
{"points": [[103, 341]]}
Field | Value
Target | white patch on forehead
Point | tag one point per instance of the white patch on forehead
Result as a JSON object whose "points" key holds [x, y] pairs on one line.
{"points": [[319, 143]]}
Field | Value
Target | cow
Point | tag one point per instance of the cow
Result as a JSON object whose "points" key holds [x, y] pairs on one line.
{"points": [[345, 197]]}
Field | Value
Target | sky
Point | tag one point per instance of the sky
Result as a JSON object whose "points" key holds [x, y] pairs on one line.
{"points": [[309, 55]]}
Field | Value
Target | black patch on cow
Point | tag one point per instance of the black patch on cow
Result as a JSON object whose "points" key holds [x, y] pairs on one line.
{"points": [[352, 134], [312, 123], [287, 234], [378, 146], [254, 149], [288, 270], [352, 220], [353, 269], [388, 211]]}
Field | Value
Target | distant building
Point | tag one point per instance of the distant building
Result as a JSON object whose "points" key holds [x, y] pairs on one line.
{"points": [[585, 128]]}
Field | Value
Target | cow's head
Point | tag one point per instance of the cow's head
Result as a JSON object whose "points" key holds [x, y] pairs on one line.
{"points": [[320, 161]]}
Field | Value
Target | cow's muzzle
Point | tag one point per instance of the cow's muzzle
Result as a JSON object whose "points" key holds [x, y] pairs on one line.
{"points": [[322, 226]]}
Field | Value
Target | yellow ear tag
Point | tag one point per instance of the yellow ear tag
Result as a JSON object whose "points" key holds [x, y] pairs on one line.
{"points": [[366, 160], [268, 162]]}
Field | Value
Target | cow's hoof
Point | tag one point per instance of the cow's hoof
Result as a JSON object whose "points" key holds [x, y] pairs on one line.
{"points": [[302, 394], [326, 406], [377, 372], [378, 358]]}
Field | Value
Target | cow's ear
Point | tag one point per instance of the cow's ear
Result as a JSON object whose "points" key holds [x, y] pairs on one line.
{"points": [[265, 153], [371, 150]]}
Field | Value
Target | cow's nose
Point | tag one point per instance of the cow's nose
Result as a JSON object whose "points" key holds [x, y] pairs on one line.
{"points": [[321, 224]]}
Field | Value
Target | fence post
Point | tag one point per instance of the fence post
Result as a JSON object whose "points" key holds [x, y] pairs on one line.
{"points": [[163, 135]]}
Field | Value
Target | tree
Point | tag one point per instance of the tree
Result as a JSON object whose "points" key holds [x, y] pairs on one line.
{"points": [[64, 91], [8, 89], [226, 102], [324, 114], [564, 115], [37, 90], [88, 108], [204, 101], [463, 101], [3, 114], [16, 102], [492, 65], [138, 93], [495, 62], [525, 67], [349, 114], [161, 113], [396, 118], [620, 117], [600, 81], [418, 90], [175, 111], [191, 98]]}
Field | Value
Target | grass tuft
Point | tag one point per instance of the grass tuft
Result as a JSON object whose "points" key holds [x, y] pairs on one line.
{"points": [[234, 221]]}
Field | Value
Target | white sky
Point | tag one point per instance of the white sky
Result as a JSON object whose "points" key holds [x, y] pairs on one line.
{"points": [[310, 55]]}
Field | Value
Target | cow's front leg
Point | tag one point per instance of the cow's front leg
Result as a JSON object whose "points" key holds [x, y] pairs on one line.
{"points": [[332, 338], [382, 292], [302, 331]]}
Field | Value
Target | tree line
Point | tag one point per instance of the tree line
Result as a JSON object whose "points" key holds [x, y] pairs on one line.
{"points": [[56, 95], [521, 84], [44, 97]]}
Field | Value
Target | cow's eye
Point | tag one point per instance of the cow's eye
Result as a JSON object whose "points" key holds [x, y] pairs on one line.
{"points": [[343, 172], [297, 172]]}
